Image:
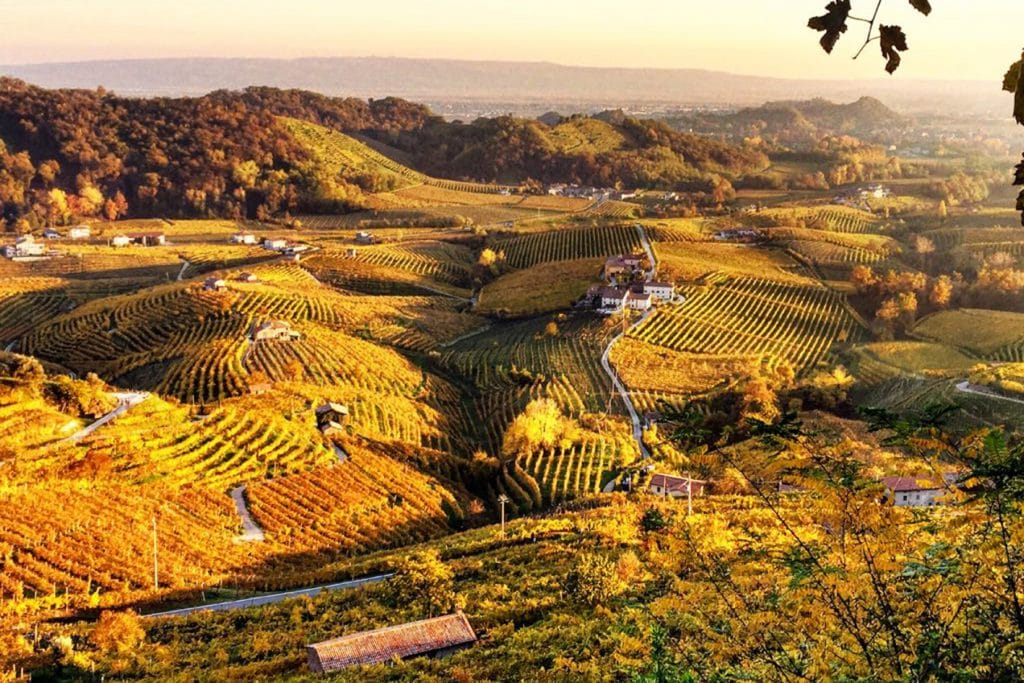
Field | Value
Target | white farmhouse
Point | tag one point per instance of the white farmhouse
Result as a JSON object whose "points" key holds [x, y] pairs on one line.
{"points": [[120, 241], [80, 232], [275, 244], [662, 291], [914, 491]]}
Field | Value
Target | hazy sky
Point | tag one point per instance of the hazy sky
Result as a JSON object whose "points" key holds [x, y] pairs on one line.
{"points": [[962, 38]]}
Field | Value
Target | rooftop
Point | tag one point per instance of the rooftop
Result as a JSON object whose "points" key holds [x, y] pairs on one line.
{"points": [[384, 644]]}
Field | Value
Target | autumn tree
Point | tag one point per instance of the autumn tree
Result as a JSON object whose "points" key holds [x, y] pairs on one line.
{"points": [[593, 580], [422, 579], [540, 425]]}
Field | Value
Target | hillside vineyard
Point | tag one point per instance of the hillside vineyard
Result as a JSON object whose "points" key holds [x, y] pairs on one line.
{"points": [[294, 385]]}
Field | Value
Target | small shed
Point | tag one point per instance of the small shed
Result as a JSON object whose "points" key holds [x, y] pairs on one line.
{"points": [[435, 637], [332, 412], [671, 486], [214, 284], [273, 330], [247, 277]]}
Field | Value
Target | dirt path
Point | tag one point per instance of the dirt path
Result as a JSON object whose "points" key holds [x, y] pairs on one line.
{"points": [[184, 266], [125, 401], [250, 530], [272, 598]]}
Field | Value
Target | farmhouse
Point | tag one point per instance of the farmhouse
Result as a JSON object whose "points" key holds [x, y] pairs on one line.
{"points": [[120, 241], [50, 234], [274, 329], [247, 277], [25, 245], [435, 637], [275, 243], [662, 291], [914, 491], [148, 239], [260, 388], [244, 238], [639, 301], [80, 232], [363, 237], [331, 418], [627, 263], [670, 486], [612, 298], [214, 284]]}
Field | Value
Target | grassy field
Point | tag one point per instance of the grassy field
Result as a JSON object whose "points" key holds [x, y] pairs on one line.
{"points": [[541, 289], [882, 360]]}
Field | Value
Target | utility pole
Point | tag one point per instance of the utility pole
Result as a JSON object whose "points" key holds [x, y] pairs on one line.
{"points": [[689, 495], [156, 574], [502, 499]]}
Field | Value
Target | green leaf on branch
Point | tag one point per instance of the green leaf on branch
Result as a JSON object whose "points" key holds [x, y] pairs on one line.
{"points": [[833, 23], [922, 6], [893, 41]]}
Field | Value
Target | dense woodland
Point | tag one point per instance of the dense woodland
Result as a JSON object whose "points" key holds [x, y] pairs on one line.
{"points": [[66, 154]]}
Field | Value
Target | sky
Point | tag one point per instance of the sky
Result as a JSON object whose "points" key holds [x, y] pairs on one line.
{"points": [[962, 39]]}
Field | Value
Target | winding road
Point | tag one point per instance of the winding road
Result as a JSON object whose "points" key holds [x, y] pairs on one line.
{"points": [[251, 532], [968, 388], [125, 401], [634, 417], [271, 598]]}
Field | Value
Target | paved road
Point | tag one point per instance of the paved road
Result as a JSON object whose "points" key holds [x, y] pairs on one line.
{"points": [[250, 530], [184, 266], [968, 388], [634, 417], [125, 401], [272, 598]]}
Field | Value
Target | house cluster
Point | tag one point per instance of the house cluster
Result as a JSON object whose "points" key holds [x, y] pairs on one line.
{"points": [[331, 418], [26, 247], [920, 491], [436, 637], [744, 235], [860, 196], [627, 265], [244, 238], [143, 239], [586, 192], [78, 232], [274, 330], [608, 300], [292, 250]]}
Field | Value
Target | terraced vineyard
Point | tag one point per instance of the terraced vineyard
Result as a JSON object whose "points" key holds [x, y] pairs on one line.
{"points": [[366, 503], [235, 443], [64, 543], [614, 209], [584, 468], [827, 254], [439, 261], [575, 243], [27, 302], [845, 220], [755, 318]]}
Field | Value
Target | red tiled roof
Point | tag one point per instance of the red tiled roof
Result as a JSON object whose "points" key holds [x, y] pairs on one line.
{"points": [[900, 484], [383, 644]]}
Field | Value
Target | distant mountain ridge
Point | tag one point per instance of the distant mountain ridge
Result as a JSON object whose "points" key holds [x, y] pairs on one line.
{"points": [[445, 79]]}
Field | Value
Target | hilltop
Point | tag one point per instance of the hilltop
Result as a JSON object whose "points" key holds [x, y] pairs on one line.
{"points": [[799, 123], [230, 154]]}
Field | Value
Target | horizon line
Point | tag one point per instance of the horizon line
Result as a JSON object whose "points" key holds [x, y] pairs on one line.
{"points": [[667, 69]]}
